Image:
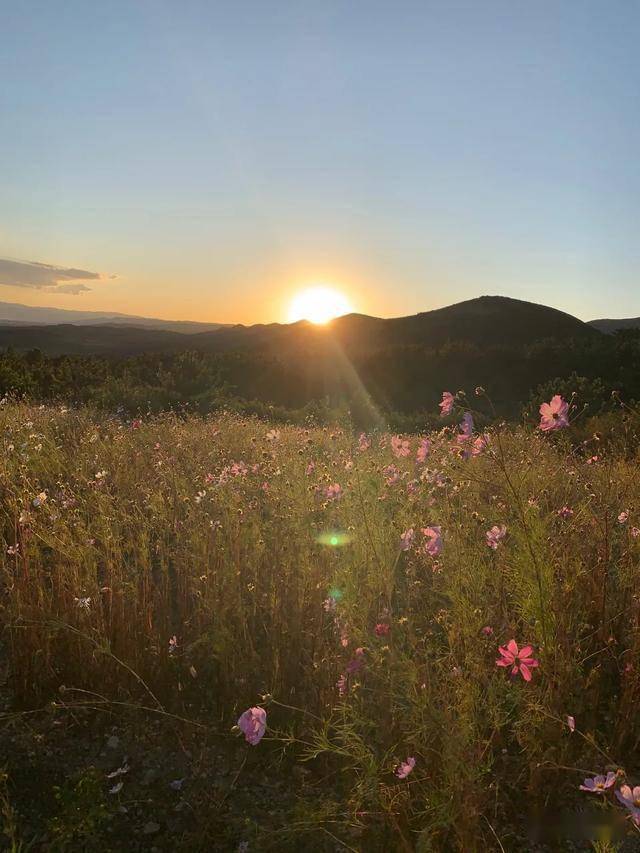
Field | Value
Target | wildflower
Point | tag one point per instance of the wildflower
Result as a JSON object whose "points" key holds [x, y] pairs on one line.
{"points": [[480, 444], [405, 767], [466, 428], [119, 772], [565, 512], [116, 788], [357, 662], [554, 415], [446, 406], [623, 517], [136, 424], [519, 660], [571, 723], [391, 475], [400, 446], [599, 784], [83, 603], [173, 644], [434, 545], [423, 450], [341, 684], [273, 435], [311, 467], [495, 535], [39, 499], [406, 539], [13, 550], [329, 604], [635, 532], [364, 442], [487, 630], [333, 492], [382, 629], [628, 796], [253, 723]]}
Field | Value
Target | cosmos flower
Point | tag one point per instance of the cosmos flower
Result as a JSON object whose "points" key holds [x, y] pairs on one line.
{"points": [[391, 475], [333, 492], [554, 415], [495, 535], [400, 446], [466, 428], [623, 517], [480, 444], [253, 723], [405, 767], [406, 539], [520, 660], [487, 630], [382, 629], [571, 723], [433, 546], [565, 512], [446, 406], [628, 796], [424, 448], [364, 442], [599, 784]]}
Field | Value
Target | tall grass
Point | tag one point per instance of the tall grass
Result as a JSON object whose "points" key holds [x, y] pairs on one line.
{"points": [[119, 536]]}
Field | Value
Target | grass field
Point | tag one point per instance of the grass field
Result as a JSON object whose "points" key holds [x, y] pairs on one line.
{"points": [[163, 576]]}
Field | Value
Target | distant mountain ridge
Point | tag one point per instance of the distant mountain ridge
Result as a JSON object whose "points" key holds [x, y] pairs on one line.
{"points": [[13, 313], [611, 326], [486, 320]]}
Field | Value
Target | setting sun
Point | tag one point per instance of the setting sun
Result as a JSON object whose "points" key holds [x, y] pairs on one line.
{"points": [[318, 305]]}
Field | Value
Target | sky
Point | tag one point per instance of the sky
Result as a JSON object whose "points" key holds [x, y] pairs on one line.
{"points": [[208, 160]]}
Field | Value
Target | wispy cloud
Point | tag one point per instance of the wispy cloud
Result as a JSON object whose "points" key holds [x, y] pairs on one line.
{"points": [[48, 277]]}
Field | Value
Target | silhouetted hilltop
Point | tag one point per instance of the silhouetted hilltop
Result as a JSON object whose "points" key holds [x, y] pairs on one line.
{"points": [[486, 321], [611, 326]]}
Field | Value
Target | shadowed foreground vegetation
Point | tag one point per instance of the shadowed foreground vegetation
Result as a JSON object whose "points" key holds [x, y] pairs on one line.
{"points": [[160, 577]]}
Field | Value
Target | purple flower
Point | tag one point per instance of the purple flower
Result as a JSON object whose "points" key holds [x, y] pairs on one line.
{"points": [[433, 546], [253, 724], [599, 784], [423, 450], [466, 428], [405, 767], [629, 797], [333, 492], [400, 446]]}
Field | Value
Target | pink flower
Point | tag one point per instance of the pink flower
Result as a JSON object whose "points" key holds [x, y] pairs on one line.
{"points": [[635, 532], [423, 450], [406, 539], [434, 545], [495, 535], [599, 784], [136, 424], [405, 767], [391, 475], [554, 415], [364, 442], [333, 492], [400, 446], [382, 629], [487, 630], [571, 723], [357, 661], [480, 445], [446, 406], [253, 724], [519, 660], [628, 796], [565, 512], [623, 517], [311, 467]]}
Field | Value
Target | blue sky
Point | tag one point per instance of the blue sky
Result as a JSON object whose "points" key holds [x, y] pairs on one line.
{"points": [[206, 160]]}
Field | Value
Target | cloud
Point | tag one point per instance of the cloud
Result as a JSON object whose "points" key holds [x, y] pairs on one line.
{"points": [[46, 277]]}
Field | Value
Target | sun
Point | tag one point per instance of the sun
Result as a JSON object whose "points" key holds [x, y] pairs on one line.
{"points": [[318, 305]]}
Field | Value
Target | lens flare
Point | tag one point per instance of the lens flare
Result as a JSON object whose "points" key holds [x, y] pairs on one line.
{"points": [[333, 539]]}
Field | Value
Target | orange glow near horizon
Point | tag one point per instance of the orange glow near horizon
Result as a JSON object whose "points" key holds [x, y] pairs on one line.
{"points": [[318, 304]]}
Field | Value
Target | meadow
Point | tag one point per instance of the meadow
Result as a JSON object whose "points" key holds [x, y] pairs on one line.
{"points": [[391, 642]]}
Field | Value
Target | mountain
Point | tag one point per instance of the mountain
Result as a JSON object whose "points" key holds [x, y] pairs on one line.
{"points": [[611, 326], [12, 313], [487, 320]]}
